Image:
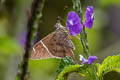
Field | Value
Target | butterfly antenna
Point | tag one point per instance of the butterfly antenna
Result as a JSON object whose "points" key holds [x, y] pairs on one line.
{"points": [[60, 19]]}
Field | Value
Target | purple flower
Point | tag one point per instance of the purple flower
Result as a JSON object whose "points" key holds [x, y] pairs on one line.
{"points": [[89, 17], [89, 61], [22, 39], [73, 23], [83, 59]]}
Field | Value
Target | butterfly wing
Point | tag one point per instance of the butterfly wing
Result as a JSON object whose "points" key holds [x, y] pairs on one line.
{"points": [[40, 51], [57, 44]]}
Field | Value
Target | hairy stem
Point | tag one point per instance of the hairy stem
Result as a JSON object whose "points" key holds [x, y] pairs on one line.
{"points": [[36, 7], [83, 34]]}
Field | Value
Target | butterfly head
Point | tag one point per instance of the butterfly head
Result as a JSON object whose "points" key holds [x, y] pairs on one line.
{"points": [[58, 26]]}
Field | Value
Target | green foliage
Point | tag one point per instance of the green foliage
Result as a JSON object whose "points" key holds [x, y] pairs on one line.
{"points": [[109, 2], [9, 45], [112, 75], [72, 68], [109, 64], [43, 69], [91, 72], [78, 47], [65, 62], [68, 70], [9, 57], [76, 5]]}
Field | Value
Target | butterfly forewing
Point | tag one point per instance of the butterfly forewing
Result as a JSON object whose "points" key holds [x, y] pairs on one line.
{"points": [[56, 44], [40, 51]]}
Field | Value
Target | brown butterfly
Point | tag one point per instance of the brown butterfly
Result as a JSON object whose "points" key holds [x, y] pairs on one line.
{"points": [[55, 45]]}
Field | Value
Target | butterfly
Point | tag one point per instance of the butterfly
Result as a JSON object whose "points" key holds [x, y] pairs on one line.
{"points": [[55, 45]]}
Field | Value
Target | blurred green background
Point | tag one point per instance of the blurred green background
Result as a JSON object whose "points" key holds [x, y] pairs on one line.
{"points": [[103, 38]]}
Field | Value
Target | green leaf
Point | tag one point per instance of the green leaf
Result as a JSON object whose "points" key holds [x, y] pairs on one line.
{"points": [[65, 62], [9, 45], [43, 69], [67, 70], [109, 64]]}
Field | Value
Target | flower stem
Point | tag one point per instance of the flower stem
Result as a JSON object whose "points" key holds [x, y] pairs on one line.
{"points": [[31, 34], [83, 34], [84, 41]]}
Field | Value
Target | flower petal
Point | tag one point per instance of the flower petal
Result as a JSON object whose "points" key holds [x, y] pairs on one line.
{"points": [[83, 59], [89, 17], [88, 24], [73, 23], [91, 59]]}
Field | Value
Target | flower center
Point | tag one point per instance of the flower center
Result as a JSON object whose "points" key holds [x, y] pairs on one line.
{"points": [[71, 22]]}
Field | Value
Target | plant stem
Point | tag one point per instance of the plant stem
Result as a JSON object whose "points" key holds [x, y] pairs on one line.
{"points": [[83, 34], [31, 33], [95, 72], [84, 41], [38, 15]]}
